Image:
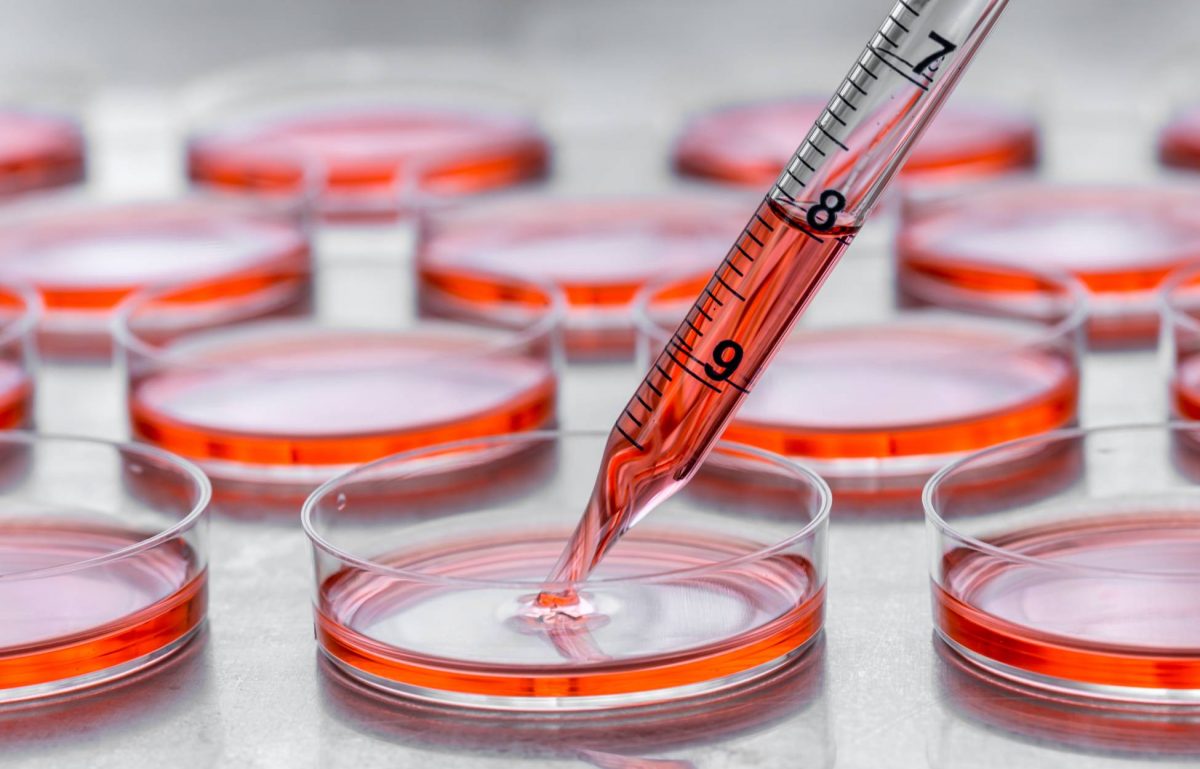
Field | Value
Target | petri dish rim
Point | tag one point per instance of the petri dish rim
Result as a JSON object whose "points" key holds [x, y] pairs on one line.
{"points": [[1169, 305], [820, 516], [547, 324], [934, 518], [1072, 322], [200, 480], [352, 66], [32, 314]]}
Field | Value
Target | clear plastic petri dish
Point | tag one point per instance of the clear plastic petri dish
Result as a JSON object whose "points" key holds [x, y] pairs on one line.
{"points": [[748, 144], [365, 131], [712, 590], [599, 251], [878, 405], [84, 256], [103, 558], [1089, 587], [272, 405], [1120, 241]]}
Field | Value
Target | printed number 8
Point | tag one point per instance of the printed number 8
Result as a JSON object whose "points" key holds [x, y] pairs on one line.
{"points": [[823, 215]]}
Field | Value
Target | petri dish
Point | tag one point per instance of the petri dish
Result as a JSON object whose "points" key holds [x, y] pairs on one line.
{"points": [[701, 596], [1121, 242], [748, 144], [364, 131], [83, 257], [102, 561], [878, 405], [600, 252], [39, 150], [1091, 588], [272, 405]]}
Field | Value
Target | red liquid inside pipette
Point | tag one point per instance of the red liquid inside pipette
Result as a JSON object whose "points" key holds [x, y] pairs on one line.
{"points": [[694, 386]]}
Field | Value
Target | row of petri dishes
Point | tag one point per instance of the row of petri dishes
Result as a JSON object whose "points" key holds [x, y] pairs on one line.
{"points": [[362, 139], [1031, 520]]}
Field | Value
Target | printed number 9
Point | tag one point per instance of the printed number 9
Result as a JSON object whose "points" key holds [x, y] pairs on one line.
{"points": [[823, 215], [728, 356]]}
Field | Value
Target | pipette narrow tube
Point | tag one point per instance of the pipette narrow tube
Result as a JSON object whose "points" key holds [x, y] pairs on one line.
{"points": [[775, 267]]}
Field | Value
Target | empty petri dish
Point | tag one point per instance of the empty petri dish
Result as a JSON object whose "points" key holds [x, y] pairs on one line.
{"points": [[39, 150], [102, 560], [1121, 242], [750, 144], [876, 406], [273, 405], [363, 131], [1090, 588], [600, 252], [700, 596], [83, 257]]}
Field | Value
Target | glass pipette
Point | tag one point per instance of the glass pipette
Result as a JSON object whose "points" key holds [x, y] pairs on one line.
{"points": [[776, 265]]}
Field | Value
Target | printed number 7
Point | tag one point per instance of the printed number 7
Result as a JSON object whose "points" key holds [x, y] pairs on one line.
{"points": [[946, 48]]}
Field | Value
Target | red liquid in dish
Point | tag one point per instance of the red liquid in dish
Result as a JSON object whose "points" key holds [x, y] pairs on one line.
{"points": [[85, 260], [1120, 242], [84, 621], [304, 396], [599, 252], [1120, 630], [363, 155], [947, 390], [39, 151], [646, 635], [748, 145]]}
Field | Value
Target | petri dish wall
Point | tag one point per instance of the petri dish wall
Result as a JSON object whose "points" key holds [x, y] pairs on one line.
{"points": [[84, 256], [989, 721], [599, 251], [335, 373], [368, 132], [780, 714], [1181, 341], [1087, 587], [103, 559], [724, 583], [748, 144], [876, 406], [1120, 241], [19, 311], [1179, 140]]}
